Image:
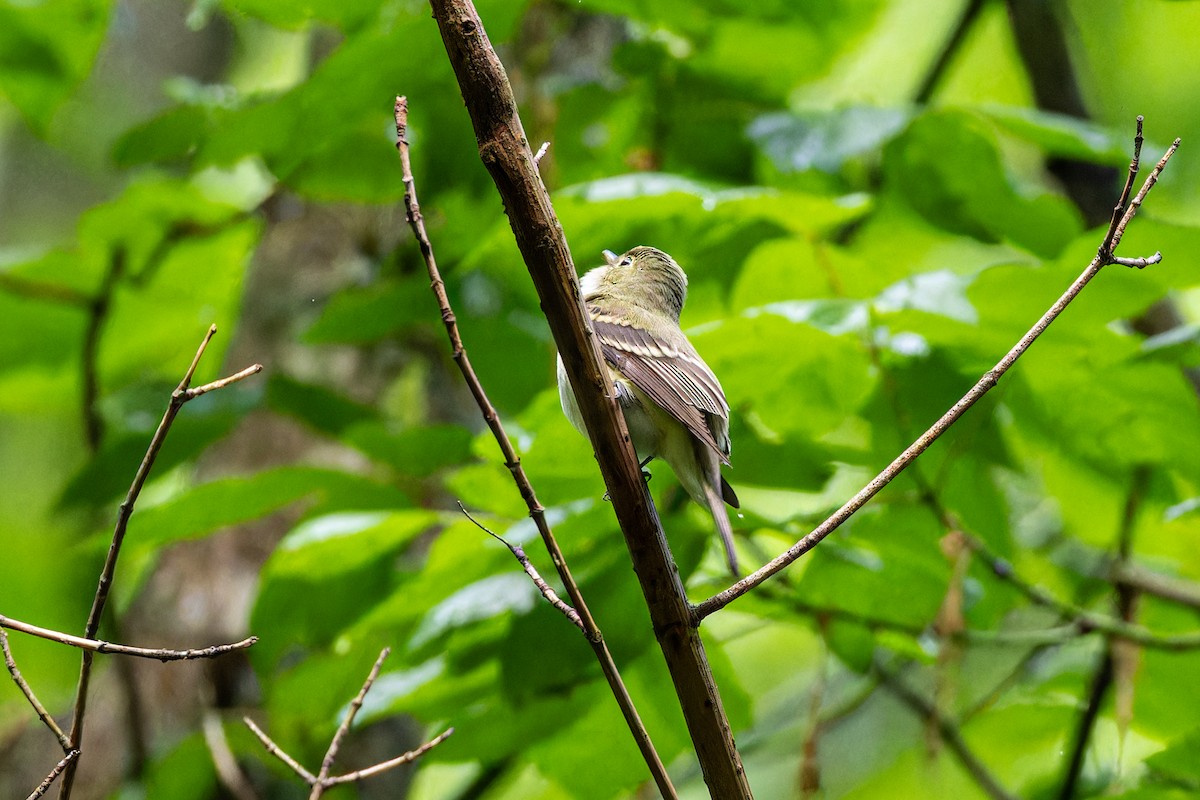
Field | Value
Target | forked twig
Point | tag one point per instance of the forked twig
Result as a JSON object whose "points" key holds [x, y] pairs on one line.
{"points": [[182, 394], [323, 780], [519, 554]]}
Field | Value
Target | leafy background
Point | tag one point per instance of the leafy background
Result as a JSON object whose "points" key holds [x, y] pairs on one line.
{"points": [[871, 209]]}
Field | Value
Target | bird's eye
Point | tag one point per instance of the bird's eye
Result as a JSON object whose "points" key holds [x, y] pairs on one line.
{"points": [[625, 262]]}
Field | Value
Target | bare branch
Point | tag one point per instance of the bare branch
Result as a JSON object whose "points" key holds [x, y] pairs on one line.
{"points": [[180, 396], [1083, 620], [982, 387], [384, 766], [949, 733], [579, 614], [279, 753], [98, 646], [1115, 238], [323, 780], [530, 570], [228, 771], [44, 786], [26, 690], [504, 150], [192, 394]]}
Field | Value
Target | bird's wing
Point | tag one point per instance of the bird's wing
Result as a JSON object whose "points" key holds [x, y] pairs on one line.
{"points": [[672, 374]]}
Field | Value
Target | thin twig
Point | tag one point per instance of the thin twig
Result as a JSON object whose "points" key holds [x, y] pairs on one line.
{"points": [[1084, 620], [392, 763], [324, 780], [1108, 245], [180, 396], [982, 387], [228, 772], [537, 157], [582, 615], [1174, 590], [949, 732], [99, 646], [280, 753], [27, 690], [192, 394], [44, 786], [530, 570], [1140, 197], [339, 735]]}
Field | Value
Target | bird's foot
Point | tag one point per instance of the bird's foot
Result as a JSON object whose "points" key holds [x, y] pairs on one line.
{"points": [[646, 476]]}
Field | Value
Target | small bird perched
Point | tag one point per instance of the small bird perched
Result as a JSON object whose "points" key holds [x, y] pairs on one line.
{"points": [[674, 406]]}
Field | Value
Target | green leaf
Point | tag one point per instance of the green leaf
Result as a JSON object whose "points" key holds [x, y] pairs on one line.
{"points": [[108, 474], [947, 166], [327, 573], [171, 136], [419, 451], [369, 314], [186, 772], [1061, 135], [772, 366], [345, 14], [887, 567], [333, 544], [321, 408], [825, 139], [46, 51], [228, 501]]}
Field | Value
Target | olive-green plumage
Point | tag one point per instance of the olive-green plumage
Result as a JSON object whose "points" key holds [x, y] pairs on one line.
{"points": [[674, 406]]}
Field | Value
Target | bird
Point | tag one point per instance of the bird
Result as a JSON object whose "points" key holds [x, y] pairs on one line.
{"points": [[674, 406]]}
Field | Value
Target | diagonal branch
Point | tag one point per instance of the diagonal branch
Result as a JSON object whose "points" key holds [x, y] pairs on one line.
{"points": [[546, 589], [948, 731], [44, 786], [277, 751], [579, 614], [505, 153], [391, 763], [989, 380], [26, 690], [181, 395]]}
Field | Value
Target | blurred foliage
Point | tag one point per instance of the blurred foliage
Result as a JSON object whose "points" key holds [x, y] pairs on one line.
{"points": [[857, 260]]}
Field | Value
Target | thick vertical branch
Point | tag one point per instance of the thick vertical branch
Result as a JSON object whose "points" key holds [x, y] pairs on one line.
{"points": [[506, 154]]}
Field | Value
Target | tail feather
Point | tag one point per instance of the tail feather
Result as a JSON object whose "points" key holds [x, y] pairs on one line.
{"points": [[728, 494], [716, 505]]}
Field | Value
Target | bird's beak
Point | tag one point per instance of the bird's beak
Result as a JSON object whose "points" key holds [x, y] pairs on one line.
{"points": [[610, 257]]}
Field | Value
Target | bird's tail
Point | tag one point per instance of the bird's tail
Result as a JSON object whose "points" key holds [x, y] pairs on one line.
{"points": [[716, 505]]}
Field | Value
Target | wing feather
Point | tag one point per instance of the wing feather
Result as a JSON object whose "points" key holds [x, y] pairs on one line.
{"points": [[672, 374]]}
